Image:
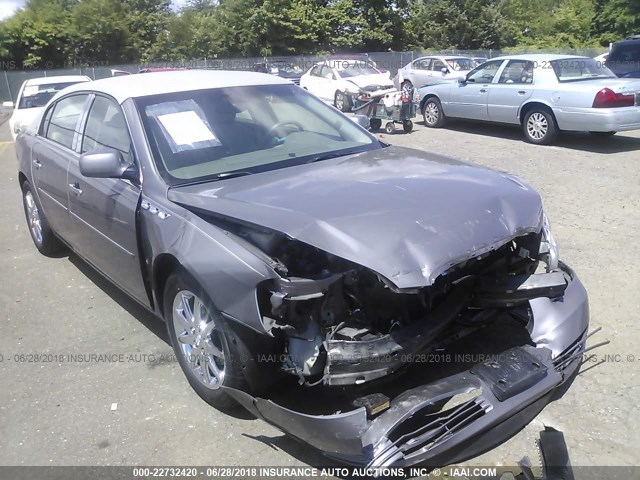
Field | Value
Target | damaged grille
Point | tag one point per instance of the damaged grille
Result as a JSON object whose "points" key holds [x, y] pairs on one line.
{"points": [[425, 429]]}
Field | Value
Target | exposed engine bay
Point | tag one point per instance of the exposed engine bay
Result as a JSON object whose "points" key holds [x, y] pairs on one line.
{"points": [[339, 323]]}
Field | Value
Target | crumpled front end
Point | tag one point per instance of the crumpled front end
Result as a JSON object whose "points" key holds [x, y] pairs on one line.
{"points": [[454, 415]]}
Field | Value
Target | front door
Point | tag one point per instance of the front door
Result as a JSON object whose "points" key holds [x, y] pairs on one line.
{"points": [[469, 99], [104, 209]]}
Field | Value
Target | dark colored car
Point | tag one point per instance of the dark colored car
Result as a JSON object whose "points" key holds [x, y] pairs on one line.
{"points": [[384, 305], [624, 57]]}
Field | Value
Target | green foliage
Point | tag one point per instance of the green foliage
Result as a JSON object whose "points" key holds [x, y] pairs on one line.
{"points": [[62, 32]]}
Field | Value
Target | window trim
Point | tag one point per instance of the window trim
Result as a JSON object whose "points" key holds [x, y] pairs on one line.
{"points": [[506, 65]]}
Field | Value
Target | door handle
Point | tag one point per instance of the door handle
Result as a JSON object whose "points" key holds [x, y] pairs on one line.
{"points": [[36, 163], [76, 188], [521, 92], [483, 90]]}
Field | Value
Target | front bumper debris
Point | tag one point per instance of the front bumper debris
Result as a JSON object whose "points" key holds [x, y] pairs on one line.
{"points": [[457, 417]]}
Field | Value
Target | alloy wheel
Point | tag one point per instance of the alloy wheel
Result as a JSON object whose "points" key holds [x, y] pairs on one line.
{"points": [[33, 215], [199, 339], [431, 113], [537, 126]]}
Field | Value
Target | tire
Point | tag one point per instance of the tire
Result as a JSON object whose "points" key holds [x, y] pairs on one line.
{"points": [[602, 134], [539, 127], [407, 126], [204, 337], [375, 124], [41, 233], [432, 113], [342, 102], [390, 128], [406, 85]]}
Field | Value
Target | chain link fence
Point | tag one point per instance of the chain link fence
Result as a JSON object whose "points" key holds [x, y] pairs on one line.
{"points": [[12, 77]]}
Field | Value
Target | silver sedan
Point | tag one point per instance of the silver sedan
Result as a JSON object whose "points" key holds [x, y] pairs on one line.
{"points": [[545, 94]]}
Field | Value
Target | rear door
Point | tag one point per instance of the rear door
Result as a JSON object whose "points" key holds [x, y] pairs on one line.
{"points": [[104, 210], [52, 151], [469, 99], [514, 86]]}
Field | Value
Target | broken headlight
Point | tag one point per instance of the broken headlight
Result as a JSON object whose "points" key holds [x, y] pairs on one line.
{"points": [[548, 246]]}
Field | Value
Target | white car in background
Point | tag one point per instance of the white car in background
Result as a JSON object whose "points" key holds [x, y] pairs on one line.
{"points": [[32, 97], [432, 70], [338, 81]]}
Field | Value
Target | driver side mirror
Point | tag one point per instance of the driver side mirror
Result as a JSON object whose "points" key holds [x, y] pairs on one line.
{"points": [[444, 70], [463, 79], [106, 163]]}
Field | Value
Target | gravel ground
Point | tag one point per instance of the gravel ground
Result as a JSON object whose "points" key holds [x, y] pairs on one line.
{"points": [[62, 413]]}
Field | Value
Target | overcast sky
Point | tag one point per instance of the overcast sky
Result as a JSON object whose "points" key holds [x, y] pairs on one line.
{"points": [[7, 7]]}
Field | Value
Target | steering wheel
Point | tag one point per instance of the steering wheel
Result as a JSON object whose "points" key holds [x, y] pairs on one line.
{"points": [[272, 130]]}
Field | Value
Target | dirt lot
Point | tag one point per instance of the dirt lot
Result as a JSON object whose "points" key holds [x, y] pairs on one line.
{"points": [[57, 413]]}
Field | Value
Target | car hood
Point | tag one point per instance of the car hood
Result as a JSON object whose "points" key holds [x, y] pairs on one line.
{"points": [[406, 214], [365, 80]]}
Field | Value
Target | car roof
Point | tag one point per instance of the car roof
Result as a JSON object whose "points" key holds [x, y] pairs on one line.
{"points": [[155, 83], [538, 57], [449, 57], [57, 79]]}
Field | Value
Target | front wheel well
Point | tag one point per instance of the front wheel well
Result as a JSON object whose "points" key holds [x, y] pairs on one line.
{"points": [[530, 106], [163, 266]]}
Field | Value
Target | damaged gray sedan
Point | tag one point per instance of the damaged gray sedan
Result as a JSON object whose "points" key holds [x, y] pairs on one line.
{"points": [[387, 306]]}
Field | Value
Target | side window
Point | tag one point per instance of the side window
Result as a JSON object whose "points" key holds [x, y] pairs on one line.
{"points": [[106, 128], [423, 64], [315, 71], [437, 65], [65, 115], [517, 71], [485, 72]]}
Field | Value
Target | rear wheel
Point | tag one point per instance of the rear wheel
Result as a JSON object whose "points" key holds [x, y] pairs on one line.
{"points": [[407, 126], [539, 127], [207, 350], [602, 134], [406, 86], [342, 102], [432, 113], [41, 233]]}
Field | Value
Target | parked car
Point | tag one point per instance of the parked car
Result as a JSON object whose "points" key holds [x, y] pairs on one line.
{"points": [[281, 68], [340, 80], [34, 95], [432, 70], [284, 245], [545, 94], [624, 57]]}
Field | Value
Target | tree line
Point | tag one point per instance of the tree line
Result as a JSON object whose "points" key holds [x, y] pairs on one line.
{"points": [[56, 33]]}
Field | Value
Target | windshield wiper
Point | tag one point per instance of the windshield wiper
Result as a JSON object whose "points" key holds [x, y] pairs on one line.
{"points": [[330, 155], [222, 176]]}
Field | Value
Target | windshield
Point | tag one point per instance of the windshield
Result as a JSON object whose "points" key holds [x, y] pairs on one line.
{"points": [[348, 70], [458, 64], [198, 135], [577, 69], [39, 95]]}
